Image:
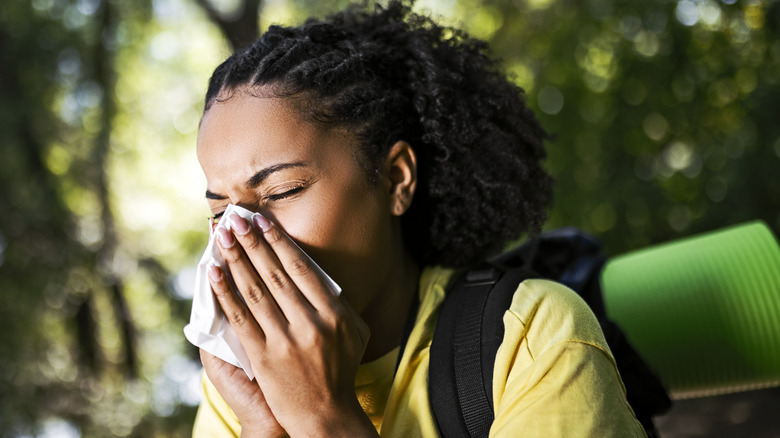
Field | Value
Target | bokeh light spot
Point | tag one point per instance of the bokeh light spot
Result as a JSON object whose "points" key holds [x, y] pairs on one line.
{"points": [[88, 7], [186, 122], [655, 127], [723, 92], [687, 12], [695, 167], [184, 283], [683, 88], [550, 100], [539, 4], [58, 428], [710, 14], [69, 62], [678, 155], [679, 217], [42, 5], [746, 80], [522, 75], [656, 21], [165, 45], [485, 21], [73, 18], [58, 160], [754, 16], [647, 44], [629, 26], [89, 94], [717, 188]]}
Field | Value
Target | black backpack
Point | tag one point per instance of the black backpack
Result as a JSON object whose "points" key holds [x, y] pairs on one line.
{"points": [[470, 330]]}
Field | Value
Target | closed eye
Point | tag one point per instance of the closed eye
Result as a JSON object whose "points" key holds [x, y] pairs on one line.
{"points": [[214, 219], [287, 194]]}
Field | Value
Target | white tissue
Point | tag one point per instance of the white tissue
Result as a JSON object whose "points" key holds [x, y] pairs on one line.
{"points": [[208, 328]]}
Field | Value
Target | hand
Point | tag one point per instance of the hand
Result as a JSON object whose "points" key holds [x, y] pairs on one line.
{"points": [[304, 343], [243, 396]]}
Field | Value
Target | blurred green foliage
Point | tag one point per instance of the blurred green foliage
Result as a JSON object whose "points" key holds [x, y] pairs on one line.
{"points": [[664, 112]]}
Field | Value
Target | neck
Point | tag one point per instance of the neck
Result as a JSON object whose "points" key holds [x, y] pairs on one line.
{"points": [[386, 316]]}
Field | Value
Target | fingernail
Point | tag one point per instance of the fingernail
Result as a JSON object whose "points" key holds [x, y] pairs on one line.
{"points": [[238, 224], [225, 238], [215, 274], [261, 222]]}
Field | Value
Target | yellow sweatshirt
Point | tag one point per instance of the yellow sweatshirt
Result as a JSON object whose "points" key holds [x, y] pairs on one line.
{"points": [[554, 375]]}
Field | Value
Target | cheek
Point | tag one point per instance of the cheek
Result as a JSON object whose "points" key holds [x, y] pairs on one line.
{"points": [[346, 231], [341, 223]]}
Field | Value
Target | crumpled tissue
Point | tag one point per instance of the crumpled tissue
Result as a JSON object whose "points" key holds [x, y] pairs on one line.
{"points": [[208, 328]]}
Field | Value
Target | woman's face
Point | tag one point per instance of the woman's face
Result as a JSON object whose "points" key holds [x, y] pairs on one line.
{"points": [[258, 153]]}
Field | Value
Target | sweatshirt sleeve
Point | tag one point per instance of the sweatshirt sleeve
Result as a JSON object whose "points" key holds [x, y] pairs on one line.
{"points": [[554, 375], [214, 419]]}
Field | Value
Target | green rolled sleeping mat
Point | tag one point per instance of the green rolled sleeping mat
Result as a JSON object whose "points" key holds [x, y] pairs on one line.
{"points": [[704, 312]]}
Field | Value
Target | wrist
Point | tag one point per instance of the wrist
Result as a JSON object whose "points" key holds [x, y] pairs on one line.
{"points": [[262, 429], [260, 432], [347, 420]]}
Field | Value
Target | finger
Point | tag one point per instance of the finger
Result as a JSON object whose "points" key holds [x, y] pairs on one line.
{"points": [[257, 298], [363, 331], [265, 265], [209, 360], [244, 322], [215, 367], [299, 268], [219, 372], [232, 383]]}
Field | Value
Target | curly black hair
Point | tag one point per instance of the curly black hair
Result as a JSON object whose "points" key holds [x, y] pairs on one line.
{"points": [[388, 74]]}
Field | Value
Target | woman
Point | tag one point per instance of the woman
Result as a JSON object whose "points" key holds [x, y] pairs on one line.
{"points": [[392, 151]]}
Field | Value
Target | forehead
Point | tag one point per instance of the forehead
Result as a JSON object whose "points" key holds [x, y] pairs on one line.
{"points": [[245, 133], [243, 117], [249, 131]]}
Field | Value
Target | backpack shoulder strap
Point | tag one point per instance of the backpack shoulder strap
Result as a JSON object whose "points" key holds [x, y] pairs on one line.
{"points": [[469, 331]]}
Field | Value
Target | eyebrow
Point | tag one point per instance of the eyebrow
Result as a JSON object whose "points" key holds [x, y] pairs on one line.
{"points": [[256, 179]]}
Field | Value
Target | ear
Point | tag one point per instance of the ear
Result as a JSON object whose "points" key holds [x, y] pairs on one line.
{"points": [[401, 173]]}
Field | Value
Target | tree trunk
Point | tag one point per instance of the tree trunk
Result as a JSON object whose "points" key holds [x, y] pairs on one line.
{"points": [[242, 27]]}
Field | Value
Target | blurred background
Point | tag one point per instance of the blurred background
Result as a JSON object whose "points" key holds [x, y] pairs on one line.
{"points": [[667, 123]]}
